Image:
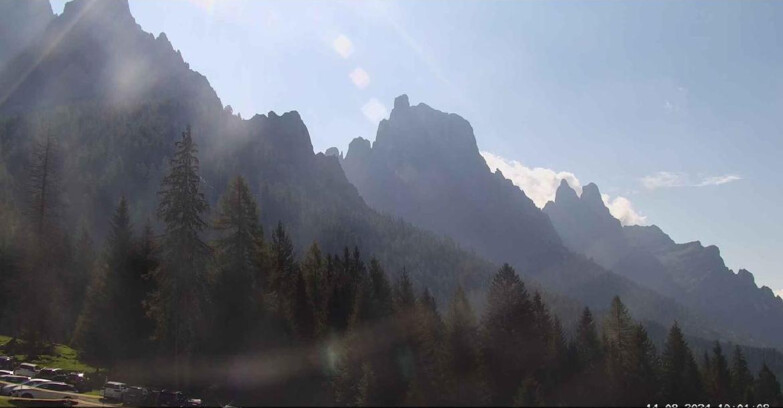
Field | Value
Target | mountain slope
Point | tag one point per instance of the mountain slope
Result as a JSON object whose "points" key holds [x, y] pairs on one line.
{"points": [[116, 98], [425, 167], [93, 51], [693, 274], [21, 21]]}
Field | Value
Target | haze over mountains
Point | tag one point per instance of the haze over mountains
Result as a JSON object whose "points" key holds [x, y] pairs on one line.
{"points": [[425, 167], [690, 272], [116, 98]]}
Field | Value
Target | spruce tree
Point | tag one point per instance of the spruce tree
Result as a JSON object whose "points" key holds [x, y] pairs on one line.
{"points": [[508, 335], [177, 305], [463, 361], [618, 334], [718, 378], [641, 369], [315, 272], [767, 388], [282, 273], [239, 251], [588, 344], [741, 378], [680, 381]]}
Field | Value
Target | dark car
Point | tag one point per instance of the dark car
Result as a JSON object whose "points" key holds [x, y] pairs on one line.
{"points": [[49, 373], [166, 398], [78, 380], [6, 363], [135, 395]]}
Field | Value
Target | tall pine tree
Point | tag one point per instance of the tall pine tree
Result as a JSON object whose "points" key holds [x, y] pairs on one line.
{"points": [[177, 305]]}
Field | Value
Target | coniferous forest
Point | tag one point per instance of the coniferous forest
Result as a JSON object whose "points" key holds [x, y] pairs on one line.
{"points": [[244, 318], [150, 235]]}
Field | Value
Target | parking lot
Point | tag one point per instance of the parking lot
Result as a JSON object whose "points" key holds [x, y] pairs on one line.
{"points": [[27, 384]]}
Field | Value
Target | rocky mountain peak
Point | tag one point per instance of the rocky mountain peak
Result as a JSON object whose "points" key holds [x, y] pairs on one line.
{"points": [[565, 194], [116, 11], [401, 102]]}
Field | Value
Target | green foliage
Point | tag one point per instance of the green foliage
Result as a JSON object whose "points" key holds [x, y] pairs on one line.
{"points": [[177, 305], [239, 268], [680, 381]]}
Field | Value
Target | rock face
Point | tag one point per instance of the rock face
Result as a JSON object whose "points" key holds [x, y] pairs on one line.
{"points": [[116, 98], [21, 21], [586, 225], [693, 274], [425, 167], [95, 51]]}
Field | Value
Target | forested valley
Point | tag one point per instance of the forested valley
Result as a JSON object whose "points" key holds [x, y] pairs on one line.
{"points": [[244, 318]]}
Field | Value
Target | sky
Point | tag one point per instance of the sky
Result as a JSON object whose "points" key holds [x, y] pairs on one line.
{"points": [[673, 109]]}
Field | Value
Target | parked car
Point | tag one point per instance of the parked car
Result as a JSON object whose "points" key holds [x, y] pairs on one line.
{"points": [[11, 380], [9, 389], [27, 370], [6, 372], [136, 396], [6, 363], [168, 398], [114, 390], [49, 373], [47, 390], [78, 380]]}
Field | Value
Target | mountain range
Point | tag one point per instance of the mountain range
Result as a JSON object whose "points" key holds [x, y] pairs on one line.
{"points": [[419, 198]]}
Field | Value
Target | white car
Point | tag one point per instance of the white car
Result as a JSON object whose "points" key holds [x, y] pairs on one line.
{"points": [[9, 381], [114, 390], [6, 372], [26, 369], [47, 390], [9, 389]]}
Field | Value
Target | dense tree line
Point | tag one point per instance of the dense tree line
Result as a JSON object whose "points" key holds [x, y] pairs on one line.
{"points": [[210, 293]]}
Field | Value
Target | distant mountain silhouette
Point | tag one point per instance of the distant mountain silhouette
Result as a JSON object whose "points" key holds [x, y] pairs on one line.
{"points": [[117, 98], [94, 51], [693, 274], [425, 167]]}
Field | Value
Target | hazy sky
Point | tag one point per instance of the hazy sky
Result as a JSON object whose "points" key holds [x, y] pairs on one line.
{"points": [[673, 109]]}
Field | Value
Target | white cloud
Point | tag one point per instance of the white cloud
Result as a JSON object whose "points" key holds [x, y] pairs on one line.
{"points": [[779, 292], [343, 46], [360, 78], [718, 180], [666, 179], [374, 110], [540, 184], [622, 209]]}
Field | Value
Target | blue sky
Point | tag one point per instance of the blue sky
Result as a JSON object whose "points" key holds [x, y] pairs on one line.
{"points": [[672, 108]]}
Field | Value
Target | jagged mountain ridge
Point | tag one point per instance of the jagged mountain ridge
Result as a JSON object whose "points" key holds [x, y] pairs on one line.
{"points": [[690, 272], [116, 136], [425, 167], [95, 50]]}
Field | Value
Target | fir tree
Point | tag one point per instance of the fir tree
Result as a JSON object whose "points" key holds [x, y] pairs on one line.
{"points": [[177, 306], [588, 344], [508, 335], [767, 388], [680, 381], [239, 251], [718, 378], [463, 361], [741, 378]]}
